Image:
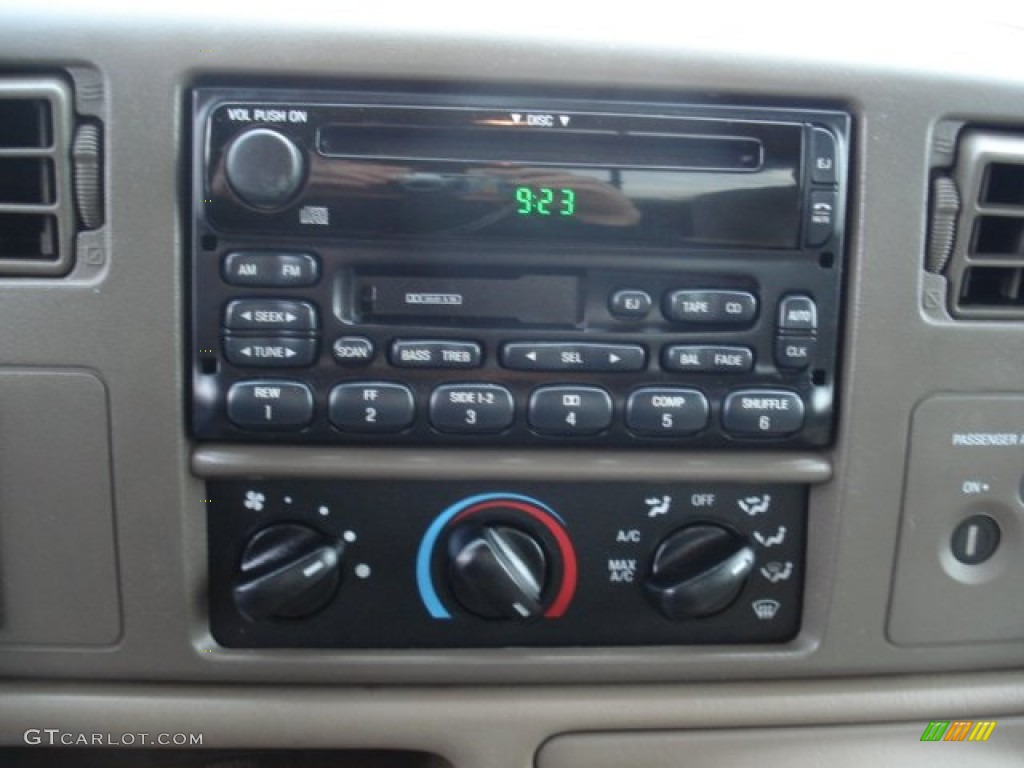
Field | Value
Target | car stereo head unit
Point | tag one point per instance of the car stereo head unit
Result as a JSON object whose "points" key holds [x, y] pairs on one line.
{"points": [[390, 268]]}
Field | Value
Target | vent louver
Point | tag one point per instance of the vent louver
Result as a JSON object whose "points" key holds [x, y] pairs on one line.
{"points": [[977, 226], [37, 216]]}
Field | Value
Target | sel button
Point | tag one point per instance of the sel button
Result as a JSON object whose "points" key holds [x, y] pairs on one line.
{"points": [[568, 410], [666, 411], [471, 408], [764, 412], [372, 407], [270, 404]]}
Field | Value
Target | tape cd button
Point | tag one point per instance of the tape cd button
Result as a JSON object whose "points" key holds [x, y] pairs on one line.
{"points": [[711, 307]]}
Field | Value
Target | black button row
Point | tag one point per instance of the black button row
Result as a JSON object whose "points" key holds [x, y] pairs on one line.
{"points": [[480, 408], [705, 306], [796, 327]]}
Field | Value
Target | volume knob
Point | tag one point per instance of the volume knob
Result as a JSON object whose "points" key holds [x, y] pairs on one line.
{"points": [[264, 168]]}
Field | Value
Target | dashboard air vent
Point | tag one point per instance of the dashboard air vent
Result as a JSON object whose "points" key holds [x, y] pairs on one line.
{"points": [[37, 218], [977, 226]]}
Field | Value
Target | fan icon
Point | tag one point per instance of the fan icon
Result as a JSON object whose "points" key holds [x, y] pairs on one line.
{"points": [[254, 501]]}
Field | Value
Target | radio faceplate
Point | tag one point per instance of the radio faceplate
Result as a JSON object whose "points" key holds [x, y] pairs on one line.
{"points": [[532, 327]]}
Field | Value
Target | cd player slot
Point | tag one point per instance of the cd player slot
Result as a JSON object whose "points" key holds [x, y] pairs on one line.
{"points": [[564, 148], [549, 300]]}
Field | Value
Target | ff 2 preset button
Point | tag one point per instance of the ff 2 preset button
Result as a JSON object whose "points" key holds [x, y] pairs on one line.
{"points": [[763, 412], [374, 406], [270, 404]]}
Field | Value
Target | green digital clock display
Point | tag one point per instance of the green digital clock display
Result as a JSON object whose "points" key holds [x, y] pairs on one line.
{"points": [[545, 201]]}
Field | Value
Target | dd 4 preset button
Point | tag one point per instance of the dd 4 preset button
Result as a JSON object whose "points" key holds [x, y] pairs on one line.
{"points": [[666, 411], [271, 269], [471, 408], [567, 410], [762, 412], [270, 404], [270, 315], [711, 307], [373, 406], [269, 351]]}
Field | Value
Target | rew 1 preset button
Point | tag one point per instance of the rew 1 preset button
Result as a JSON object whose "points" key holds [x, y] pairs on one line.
{"points": [[270, 315], [666, 411], [270, 404], [568, 410], [371, 406], [559, 356], [415, 353], [271, 269], [711, 307], [269, 351], [471, 408], [697, 358], [763, 412]]}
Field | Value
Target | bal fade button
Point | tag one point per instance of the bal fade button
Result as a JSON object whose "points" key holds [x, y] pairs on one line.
{"points": [[763, 412]]}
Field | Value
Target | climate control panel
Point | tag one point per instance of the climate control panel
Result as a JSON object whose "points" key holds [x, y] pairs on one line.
{"points": [[369, 564]]}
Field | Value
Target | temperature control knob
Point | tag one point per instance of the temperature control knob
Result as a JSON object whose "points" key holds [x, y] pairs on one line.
{"points": [[264, 168], [497, 571], [287, 571], [698, 571]]}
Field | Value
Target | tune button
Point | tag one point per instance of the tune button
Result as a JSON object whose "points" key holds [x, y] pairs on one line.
{"points": [[373, 406], [270, 351], [471, 408], [568, 410]]}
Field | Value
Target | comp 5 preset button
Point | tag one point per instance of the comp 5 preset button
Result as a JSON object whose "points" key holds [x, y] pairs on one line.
{"points": [[666, 411], [270, 404]]}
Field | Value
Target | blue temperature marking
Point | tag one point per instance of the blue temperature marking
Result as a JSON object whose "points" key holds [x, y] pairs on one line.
{"points": [[423, 556]]}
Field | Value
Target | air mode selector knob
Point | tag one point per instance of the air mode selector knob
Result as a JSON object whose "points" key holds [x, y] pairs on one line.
{"points": [[497, 571], [287, 571], [698, 571], [264, 168]]}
